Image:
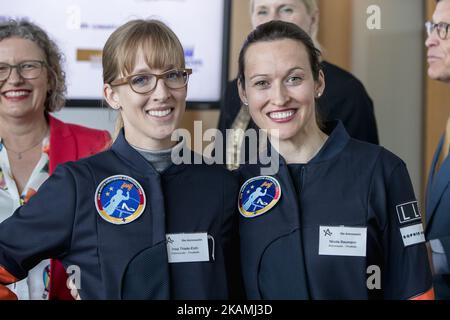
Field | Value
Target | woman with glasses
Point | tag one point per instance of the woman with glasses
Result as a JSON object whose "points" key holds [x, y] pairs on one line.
{"points": [[32, 141], [129, 222]]}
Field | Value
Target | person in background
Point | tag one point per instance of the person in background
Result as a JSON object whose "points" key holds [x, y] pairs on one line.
{"points": [[339, 220], [438, 188], [32, 141], [344, 98], [136, 222]]}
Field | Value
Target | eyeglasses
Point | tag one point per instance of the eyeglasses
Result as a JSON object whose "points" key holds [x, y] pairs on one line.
{"points": [[27, 69], [441, 27], [146, 82]]}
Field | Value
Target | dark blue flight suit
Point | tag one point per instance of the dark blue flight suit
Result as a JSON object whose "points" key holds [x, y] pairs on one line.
{"points": [[348, 183], [130, 261]]}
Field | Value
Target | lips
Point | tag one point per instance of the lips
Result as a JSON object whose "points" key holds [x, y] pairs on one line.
{"points": [[16, 93], [160, 113], [282, 115], [431, 57]]}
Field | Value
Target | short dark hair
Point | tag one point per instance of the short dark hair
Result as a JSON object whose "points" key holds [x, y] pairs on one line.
{"points": [[279, 30]]}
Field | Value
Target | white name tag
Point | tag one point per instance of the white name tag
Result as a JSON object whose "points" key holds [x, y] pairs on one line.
{"points": [[342, 241], [413, 234], [187, 247]]}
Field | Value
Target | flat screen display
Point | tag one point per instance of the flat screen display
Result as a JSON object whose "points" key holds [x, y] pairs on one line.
{"points": [[81, 27]]}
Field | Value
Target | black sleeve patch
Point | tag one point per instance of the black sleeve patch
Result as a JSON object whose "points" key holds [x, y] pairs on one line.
{"points": [[408, 212]]}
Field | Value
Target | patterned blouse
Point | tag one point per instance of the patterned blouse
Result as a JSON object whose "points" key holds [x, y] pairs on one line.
{"points": [[35, 286]]}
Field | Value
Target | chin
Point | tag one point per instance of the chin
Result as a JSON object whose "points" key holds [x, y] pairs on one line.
{"points": [[282, 134]]}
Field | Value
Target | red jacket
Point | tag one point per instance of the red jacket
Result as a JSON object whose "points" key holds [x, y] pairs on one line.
{"points": [[70, 142]]}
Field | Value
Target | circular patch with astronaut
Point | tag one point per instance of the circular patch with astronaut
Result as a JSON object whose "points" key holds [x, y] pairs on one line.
{"points": [[120, 199], [258, 195]]}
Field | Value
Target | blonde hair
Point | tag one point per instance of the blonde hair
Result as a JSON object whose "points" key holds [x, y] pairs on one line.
{"points": [[160, 45], [24, 29], [311, 7]]}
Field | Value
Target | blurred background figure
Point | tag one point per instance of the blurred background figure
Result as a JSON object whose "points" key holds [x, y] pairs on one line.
{"points": [[32, 142], [438, 191], [344, 98]]}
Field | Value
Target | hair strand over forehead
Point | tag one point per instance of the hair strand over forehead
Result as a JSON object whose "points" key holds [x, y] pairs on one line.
{"points": [[159, 45]]}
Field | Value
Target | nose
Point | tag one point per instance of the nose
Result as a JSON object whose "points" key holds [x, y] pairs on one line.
{"points": [[432, 40], [161, 93], [14, 76], [280, 95]]}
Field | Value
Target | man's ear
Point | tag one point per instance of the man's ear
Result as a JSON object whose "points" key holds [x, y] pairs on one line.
{"points": [[111, 97], [242, 93]]}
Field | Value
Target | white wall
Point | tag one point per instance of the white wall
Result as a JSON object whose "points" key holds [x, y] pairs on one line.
{"points": [[390, 64]]}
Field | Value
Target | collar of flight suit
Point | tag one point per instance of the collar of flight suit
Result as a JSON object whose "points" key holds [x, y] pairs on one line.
{"points": [[336, 142], [125, 151]]}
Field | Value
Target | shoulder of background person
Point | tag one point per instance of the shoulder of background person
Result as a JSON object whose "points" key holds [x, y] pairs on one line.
{"points": [[342, 80]]}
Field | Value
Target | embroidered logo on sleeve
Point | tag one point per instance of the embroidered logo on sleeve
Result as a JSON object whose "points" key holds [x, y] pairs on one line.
{"points": [[408, 212]]}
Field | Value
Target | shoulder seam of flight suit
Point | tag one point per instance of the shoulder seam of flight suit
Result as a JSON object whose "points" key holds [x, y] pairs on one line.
{"points": [[378, 162]]}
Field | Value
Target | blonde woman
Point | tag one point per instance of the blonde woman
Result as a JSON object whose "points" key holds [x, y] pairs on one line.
{"points": [[132, 223]]}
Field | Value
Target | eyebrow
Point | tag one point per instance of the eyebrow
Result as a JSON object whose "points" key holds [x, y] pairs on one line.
{"points": [[288, 72], [147, 69]]}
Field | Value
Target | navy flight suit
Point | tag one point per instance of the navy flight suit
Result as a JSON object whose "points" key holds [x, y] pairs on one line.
{"points": [[349, 183], [129, 261]]}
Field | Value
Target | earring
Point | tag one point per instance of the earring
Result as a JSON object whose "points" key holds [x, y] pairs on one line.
{"points": [[117, 108], [319, 94], [245, 103]]}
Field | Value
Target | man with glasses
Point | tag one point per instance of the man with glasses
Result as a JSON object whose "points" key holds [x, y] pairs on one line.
{"points": [[438, 189]]}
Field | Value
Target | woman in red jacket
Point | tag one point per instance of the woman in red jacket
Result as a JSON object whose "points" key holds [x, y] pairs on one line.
{"points": [[32, 142]]}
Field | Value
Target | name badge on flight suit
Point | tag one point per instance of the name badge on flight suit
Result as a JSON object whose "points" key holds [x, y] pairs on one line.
{"points": [[120, 199], [342, 241], [188, 247]]}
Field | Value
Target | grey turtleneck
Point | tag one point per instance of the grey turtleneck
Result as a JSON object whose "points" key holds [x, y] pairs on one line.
{"points": [[160, 160]]}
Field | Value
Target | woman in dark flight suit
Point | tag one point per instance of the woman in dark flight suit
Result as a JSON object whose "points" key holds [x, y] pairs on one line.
{"points": [[339, 219], [134, 224]]}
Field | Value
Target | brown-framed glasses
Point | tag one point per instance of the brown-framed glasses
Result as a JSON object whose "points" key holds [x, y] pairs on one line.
{"points": [[146, 82], [441, 27], [30, 69]]}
